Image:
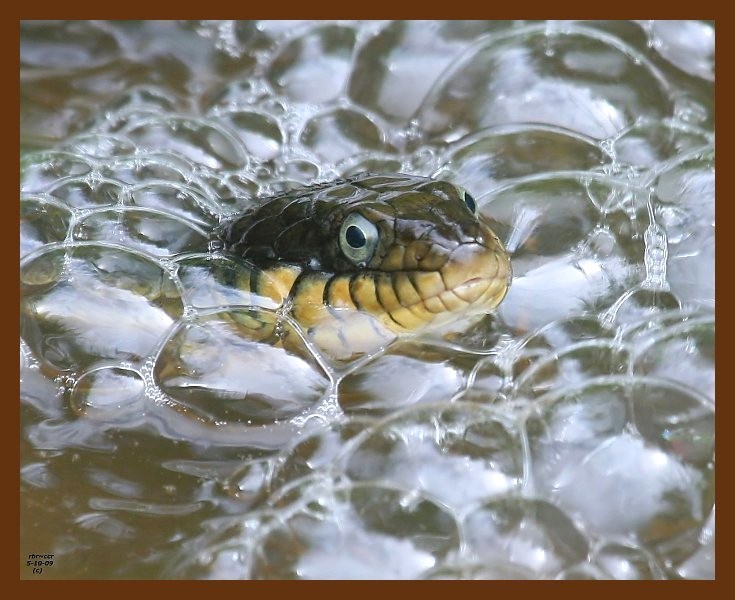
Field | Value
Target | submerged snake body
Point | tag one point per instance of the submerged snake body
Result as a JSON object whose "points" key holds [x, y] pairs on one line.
{"points": [[405, 251]]}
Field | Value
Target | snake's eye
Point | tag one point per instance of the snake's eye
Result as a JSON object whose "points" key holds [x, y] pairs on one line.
{"points": [[358, 238], [468, 200]]}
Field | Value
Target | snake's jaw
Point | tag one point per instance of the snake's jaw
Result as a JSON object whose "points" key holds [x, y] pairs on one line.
{"points": [[478, 273], [471, 278]]}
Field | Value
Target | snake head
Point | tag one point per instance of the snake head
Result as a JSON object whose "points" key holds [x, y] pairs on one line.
{"points": [[408, 250]]}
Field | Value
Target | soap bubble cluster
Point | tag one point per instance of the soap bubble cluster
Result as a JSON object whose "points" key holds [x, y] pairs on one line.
{"points": [[175, 425]]}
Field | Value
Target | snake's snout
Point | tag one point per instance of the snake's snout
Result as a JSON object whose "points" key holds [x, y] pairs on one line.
{"points": [[477, 273]]}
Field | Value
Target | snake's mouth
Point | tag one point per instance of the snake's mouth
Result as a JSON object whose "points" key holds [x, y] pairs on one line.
{"points": [[474, 279], [472, 289]]}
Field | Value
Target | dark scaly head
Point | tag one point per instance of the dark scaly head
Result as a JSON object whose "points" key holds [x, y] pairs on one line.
{"points": [[409, 250]]}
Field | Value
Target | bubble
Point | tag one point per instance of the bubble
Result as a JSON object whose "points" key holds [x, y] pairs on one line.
{"points": [[394, 381], [199, 141], [396, 67], [627, 562], [688, 186], [42, 221], [483, 160], [572, 365], [81, 193], [212, 281], [545, 225], [684, 353], [340, 134], [260, 133], [357, 532], [458, 453], [587, 455], [486, 570], [231, 367], [583, 571], [648, 143], [488, 384], [146, 167], [700, 565], [179, 200], [108, 393], [142, 229], [300, 170], [94, 302], [567, 435], [688, 45], [530, 534], [315, 450], [100, 146], [315, 65], [38, 172], [512, 79], [372, 162], [641, 302]]}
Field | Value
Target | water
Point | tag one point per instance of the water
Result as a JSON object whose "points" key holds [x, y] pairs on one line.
{"points": [[164, 434]]}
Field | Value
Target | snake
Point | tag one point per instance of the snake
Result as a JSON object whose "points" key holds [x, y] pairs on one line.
{"points": [[370, 257]]}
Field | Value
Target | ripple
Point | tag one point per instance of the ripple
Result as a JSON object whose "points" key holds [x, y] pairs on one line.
{"points": [[106, 526], [38, 475]]}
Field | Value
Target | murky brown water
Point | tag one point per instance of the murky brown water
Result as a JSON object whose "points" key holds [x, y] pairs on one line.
{"points": [[568, 435]]}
